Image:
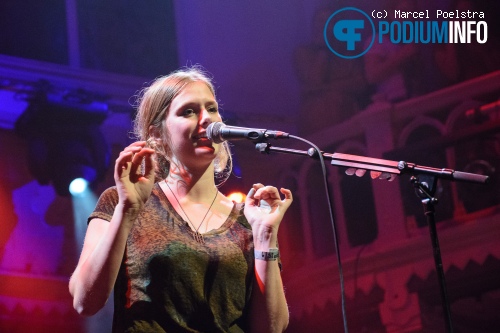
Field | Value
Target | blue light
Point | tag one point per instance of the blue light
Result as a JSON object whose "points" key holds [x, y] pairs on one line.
{"points": [[78, 186]]}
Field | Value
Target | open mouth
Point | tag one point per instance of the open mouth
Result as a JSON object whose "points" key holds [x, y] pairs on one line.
{"points": [[199, 136], [201, 139]]}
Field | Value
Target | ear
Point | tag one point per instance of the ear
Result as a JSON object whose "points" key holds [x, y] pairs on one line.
{"points": [[154, 132]]}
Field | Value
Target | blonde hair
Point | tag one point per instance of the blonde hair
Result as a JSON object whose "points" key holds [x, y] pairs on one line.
{"points": [[152, 107]]}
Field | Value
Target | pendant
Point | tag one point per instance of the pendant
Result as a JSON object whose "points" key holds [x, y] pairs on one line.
{"points": [[198, 237]]}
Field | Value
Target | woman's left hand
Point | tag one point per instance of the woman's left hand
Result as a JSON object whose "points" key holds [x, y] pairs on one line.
{"points": [[264, 208]]}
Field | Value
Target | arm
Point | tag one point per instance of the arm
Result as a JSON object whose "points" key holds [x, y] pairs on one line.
{"points": [[269, 310], [104, 246]]}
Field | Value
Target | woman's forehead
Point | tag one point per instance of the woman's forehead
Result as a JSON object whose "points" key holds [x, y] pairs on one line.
{"points": [[194, 90]]}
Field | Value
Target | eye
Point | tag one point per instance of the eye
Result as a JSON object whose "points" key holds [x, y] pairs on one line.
{"points": [[187, 112], [212, 109]]}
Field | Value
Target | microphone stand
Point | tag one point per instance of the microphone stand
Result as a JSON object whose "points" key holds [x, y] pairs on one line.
{"points": [[424, 180]]}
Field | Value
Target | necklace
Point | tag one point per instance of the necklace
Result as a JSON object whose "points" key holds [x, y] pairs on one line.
{"points": [[196, 234]]}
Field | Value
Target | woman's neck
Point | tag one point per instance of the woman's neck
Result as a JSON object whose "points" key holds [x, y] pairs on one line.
{"points": [[194, 185]]}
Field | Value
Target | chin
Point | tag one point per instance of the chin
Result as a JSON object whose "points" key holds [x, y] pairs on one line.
{"points": [[205, 152]]}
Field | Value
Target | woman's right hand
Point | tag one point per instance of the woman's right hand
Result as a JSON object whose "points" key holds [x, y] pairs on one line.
{"points": [[133, 184]]}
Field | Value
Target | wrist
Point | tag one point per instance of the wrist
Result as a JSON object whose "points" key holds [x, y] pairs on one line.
{"points": [[264, 237], [270, 255], [129, 213], [129, 208]]}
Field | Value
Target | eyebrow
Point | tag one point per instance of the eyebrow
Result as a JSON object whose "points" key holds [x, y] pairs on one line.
{"points": [[194, 104], [197, 105]]}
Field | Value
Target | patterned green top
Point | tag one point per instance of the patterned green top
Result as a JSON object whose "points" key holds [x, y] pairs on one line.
{"points": [[168, 282]]}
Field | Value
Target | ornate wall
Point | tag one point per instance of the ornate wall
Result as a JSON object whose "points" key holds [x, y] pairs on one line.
{"points": [[385, 248]]}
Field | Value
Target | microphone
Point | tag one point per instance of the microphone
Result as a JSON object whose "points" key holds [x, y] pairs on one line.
{"points": [[219, 132]]}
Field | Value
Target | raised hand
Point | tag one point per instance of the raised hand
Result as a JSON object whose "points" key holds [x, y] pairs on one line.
{"points": [[135, 174], [264, 206]]}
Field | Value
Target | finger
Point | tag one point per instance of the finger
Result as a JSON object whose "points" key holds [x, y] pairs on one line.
{"points": [[257, 186], [122, 162], [136, 164], [287, 193], [267, 192], [149, 166], [127, 155], [140, 144], [287, 201], [137, 159], [137, 147], [142, 154], [250, 199], [134, 148]]}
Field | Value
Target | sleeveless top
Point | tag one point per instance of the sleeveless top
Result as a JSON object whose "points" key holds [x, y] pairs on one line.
{"points": [[168, 282]]}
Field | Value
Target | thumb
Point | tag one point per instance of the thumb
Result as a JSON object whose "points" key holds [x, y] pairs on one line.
{"points": [[250, 200], [287, 201]]}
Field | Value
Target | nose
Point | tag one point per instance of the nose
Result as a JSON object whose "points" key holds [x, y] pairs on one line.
{"points": [[206, 118]]}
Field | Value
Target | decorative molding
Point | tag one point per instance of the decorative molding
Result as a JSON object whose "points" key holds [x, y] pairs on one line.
{"points": [[118, 88]]}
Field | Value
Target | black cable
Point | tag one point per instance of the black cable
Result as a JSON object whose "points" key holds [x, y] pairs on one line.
{"points": [[334, 228]]}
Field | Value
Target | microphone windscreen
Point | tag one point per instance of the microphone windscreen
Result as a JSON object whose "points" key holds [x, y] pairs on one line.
{"points": [[213, 132]]}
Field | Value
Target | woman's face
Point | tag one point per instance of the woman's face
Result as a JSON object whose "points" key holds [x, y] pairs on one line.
{"points": [[189, 114]]}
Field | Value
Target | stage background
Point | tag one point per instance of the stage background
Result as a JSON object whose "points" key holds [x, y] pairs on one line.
{"points": [[272, 70]]}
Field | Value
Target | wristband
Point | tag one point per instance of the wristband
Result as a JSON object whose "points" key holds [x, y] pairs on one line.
{"points": [[272, 255]]}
